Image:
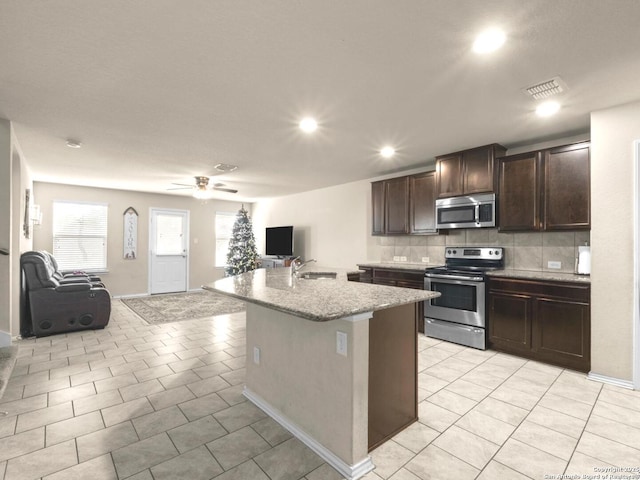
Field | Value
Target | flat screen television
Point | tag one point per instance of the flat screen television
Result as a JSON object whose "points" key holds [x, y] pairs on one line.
{"points": [[279, 241]]}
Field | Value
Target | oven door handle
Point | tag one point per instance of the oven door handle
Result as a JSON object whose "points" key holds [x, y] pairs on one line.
{"points": [[458, 279]]}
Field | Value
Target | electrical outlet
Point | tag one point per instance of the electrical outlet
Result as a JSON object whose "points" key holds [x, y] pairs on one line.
{"points": [[256, 355], [553, 264], [425, 259], [341, 343], [396, 258]]}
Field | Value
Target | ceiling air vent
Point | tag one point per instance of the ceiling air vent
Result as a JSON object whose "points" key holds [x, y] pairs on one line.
{"points": [[546, 89]]}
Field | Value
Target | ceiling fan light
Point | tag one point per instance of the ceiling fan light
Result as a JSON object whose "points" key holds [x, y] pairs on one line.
{"points": [[202, 194]]}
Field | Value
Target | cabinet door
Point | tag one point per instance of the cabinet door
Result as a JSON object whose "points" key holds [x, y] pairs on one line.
{"points": [[567, 188], [510, 317], [562, 333], [422, 203], [478, 170], [377, 208], [449, 175], [396, 217], [519, 192]]}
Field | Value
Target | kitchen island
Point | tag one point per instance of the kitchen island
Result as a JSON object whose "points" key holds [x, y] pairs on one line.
{"points": [[333, 361]]}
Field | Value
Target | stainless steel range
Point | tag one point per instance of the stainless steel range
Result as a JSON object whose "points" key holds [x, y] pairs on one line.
{"points": [[458, 315]]}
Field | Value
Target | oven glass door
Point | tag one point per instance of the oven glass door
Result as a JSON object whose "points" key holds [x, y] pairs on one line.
{"points": [[460, 301]]}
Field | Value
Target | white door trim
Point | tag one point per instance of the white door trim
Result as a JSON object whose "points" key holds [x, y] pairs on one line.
{"points": [[152, 211], [636, 261]]}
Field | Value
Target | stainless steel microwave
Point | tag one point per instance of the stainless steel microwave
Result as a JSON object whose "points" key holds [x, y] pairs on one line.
{"points": [[472, 211]]}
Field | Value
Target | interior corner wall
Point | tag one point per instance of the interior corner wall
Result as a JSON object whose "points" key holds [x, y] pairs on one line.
{"points": [[613, 132], [6, 275], [21, 242], [331, 225], [130, 277]]}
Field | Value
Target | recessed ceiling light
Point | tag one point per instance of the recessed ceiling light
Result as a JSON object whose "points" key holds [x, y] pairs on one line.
{"points": [[308, 125], [73, 143], [387, 152], [489, 41], [546, 109]]}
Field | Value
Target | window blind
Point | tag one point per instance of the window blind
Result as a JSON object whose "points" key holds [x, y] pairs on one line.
{"points": [[224, 231], [80, 235]]}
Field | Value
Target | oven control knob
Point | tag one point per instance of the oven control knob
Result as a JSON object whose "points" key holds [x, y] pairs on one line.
{"points": [[490, 252], [449, 251]]}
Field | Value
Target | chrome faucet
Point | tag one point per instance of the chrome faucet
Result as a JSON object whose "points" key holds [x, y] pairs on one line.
{"points": [[296, 266]]}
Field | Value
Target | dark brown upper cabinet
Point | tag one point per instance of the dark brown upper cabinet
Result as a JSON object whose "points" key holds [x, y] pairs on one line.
{"points": [[449, 175], [404, 205], [377, 208], [567, 190], [519, 202], [422, 201], [467, 172], [397, 206], [545, 190], [390, 206]]}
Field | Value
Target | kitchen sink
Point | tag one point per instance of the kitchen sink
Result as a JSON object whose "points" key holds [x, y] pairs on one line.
{"points": [[317, 275]]}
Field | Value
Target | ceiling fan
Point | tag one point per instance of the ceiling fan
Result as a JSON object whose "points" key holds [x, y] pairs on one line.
{"points": [[201, 190]]}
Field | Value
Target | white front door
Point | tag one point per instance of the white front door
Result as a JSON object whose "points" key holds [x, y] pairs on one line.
{"points": [[168, 256]]}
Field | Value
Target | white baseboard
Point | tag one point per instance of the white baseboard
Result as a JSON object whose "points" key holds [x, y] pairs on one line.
{"points": [[135, 295], [350, 472], [5, 339], [618, 382]]}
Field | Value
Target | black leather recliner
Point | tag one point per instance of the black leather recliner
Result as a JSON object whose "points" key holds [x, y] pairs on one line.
{"points": [[69, 276], [59, 305]]}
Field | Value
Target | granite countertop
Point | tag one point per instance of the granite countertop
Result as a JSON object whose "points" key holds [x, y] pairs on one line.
{"points": [[541, 275], [417, 267], [318, 300]]}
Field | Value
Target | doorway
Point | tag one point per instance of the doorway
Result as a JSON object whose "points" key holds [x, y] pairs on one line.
{"points": [[168, 250]]}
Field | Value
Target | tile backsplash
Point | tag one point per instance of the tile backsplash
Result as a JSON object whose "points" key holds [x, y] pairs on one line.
{"points": [[523, 250]]}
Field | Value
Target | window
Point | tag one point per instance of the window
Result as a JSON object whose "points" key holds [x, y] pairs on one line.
{"points": [[224, 232], [80, 235]]}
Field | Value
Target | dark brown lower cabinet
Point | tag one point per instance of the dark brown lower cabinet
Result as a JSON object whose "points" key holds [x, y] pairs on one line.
{"points": [[396, 278], [542, 320], [393, 372]]}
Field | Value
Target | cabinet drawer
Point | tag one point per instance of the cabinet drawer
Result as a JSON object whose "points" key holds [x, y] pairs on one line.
{"points": [[399, 275], [549, 289]]}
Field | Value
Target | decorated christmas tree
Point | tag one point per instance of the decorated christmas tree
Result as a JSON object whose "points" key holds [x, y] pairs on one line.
{"points": [[242, 246]]}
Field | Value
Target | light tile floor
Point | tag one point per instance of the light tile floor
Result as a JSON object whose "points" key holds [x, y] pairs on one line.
{"points": [[164, 402]]}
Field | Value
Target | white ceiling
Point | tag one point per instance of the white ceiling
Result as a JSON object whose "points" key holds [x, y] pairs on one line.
{"points": [[158, 91]]}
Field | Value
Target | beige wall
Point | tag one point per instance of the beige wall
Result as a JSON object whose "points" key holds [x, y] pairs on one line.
{"points": [[14, 180], [300, 372], [331, 224], [613, 132], [130, 277], [6, 306], [20, 243]]}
